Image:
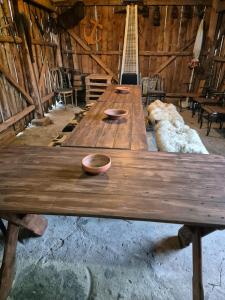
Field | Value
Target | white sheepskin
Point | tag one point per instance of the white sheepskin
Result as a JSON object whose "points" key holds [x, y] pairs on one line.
{"points": [[172, 135]]}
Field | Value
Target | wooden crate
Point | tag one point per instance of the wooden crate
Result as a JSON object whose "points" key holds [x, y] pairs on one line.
{"points": [[96, 84]]}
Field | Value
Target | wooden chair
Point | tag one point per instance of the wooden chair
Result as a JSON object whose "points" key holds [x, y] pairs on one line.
{"points": [[62, 85], [191, 96], [212, 114], [153, 88]]}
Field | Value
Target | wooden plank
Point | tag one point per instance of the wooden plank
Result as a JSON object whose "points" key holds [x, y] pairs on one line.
{"points": [[10, 39], [15, 84], [198, 292], [11, 121], [47, 97], [8, 263], [164, 187], [47, 4]]}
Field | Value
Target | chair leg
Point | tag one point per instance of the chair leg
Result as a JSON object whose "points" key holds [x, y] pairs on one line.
{"points": [[201, 118], [180, 104], [72, 99], [64, 99], [209, 126]]}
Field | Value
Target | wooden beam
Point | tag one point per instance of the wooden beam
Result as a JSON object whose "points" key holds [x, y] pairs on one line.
{"points": [[47, 4], [11, 121], [43, 43], [165, 64], [219, 58], [8, 262], [146, 2], [16, 85], [95, 57], [18, 40], [10, 39], [141, 53], [47, 97], [218, 5]]}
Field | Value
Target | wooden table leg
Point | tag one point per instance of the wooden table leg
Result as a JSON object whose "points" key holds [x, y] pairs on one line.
{"points": [[8, 263], [2, 227], [197, 286]]}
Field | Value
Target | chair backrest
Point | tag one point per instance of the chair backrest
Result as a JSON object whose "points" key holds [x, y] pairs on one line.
{"points": [[60, 78]]}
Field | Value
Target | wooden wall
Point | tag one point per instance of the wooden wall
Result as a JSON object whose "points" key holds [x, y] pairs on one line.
{"points": [[165, 49], [16, 81]]}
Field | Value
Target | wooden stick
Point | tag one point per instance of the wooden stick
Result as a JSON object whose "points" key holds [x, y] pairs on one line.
{"points": [[198, 292], [47, 4], [7, 268]]}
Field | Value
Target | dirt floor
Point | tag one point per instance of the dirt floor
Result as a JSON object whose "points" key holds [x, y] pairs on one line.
{"points": [[91, 258]]}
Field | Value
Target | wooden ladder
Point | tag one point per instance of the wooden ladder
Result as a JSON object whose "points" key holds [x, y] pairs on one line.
{"points": [[130, 66]]}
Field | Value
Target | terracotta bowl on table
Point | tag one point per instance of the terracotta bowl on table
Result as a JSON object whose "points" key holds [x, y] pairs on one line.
{"points": [[96, 163], [122, 89], [114, 113]]}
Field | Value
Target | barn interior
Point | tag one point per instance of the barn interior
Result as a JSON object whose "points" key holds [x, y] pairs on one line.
{"points": [[140, 84]]}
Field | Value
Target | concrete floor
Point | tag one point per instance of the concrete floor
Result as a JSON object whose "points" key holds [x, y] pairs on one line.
{"points": [[104, 259]]}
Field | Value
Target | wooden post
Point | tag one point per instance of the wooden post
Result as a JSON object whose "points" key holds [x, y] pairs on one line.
{"points": [[8, 263], [197, 286], [32, 80]]}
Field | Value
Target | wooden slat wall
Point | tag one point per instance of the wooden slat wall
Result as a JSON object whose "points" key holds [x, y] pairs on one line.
{"points": [[12, 101], [171, 36], [218, 72]]}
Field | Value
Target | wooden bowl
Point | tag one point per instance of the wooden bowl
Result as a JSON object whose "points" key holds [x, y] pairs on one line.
{"points": [[114, 113], [122, 89], [96, 163]]}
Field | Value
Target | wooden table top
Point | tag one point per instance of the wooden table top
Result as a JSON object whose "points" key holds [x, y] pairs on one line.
{"points": [[214, 109], [112, 96], [164, 187], [95, 130]]}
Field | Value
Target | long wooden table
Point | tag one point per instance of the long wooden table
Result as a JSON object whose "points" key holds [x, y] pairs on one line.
{"points": [[95, 130], [178, 188]]}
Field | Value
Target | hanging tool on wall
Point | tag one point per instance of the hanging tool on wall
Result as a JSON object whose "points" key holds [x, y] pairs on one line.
{"points": [[91, 38]]}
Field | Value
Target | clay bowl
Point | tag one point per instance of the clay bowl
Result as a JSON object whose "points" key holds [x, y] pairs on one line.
{"points": [[96, 163], [114, 113], [122, 89]]}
